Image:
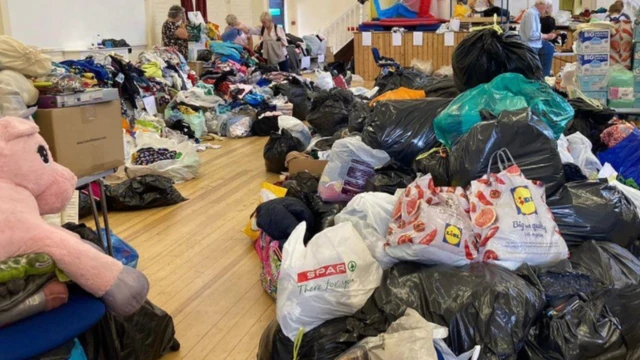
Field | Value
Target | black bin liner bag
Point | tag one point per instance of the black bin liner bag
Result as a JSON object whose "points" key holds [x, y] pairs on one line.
{"points": [[143, 192], [330, 110], [276, 150], [532, 149], [404, 128], [595, 210], [485, 54]]}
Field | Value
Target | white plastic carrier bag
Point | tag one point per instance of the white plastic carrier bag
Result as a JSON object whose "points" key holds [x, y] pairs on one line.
{"points": [[580, 149], [431, 225], [351, 164], [332, 276], [182, 169], [511, 218], [370, 214]]}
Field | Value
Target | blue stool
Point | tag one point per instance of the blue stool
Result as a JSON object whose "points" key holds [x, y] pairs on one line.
{"points": [[38, 334]]}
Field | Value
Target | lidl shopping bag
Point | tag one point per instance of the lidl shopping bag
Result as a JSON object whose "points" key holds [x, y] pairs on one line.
{"points": [[332, 276], [511, 218], [431, 225]]}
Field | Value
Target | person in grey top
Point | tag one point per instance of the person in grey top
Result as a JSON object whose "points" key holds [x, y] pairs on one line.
{"points": [[530, 30]]}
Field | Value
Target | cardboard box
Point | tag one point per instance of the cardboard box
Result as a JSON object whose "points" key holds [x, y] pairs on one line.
{"points": [[312, 166], [197, 67], [593, 41], [86, 139], [592, 83], [593, 64], [600, 96]]}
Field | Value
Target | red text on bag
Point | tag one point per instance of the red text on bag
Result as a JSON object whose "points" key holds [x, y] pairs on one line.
{"points": [[328, 270]]}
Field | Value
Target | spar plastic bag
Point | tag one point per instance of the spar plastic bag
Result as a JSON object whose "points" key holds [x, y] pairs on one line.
{"points": [[624, 156], [620, 85], [276, 150], [296, 128], [330, 110], [595, 210], [351, 164], [513, 223], [535, 153], [144, 192], [370, 214], [506, 92], [485, 54], [27, 60], [431, 225], [404, 128], [580, 149], [408, 338], [436, 163], [185, 168], [332, 276]]}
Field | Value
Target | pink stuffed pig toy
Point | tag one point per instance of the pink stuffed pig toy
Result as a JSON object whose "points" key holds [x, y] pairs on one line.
{"points": [[31, 185]]}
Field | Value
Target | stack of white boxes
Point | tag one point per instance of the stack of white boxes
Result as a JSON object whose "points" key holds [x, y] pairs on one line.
{"points": [[592, 47]]}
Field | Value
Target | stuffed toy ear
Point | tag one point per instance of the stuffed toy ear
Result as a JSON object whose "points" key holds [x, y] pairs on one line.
{"points": [[14, 128]]}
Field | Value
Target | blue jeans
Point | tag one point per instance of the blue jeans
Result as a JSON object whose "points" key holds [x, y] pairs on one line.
{"points": [[545, 54], [284, 65]]}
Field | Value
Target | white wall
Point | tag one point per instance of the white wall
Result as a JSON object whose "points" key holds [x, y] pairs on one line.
{"points": [[312, 16]]}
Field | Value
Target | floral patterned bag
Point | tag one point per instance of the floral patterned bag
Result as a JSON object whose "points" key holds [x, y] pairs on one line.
{"points": [[270, 256]]}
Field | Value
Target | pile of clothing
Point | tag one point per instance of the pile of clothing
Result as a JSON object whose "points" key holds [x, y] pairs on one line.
{"points": [[502, 197]]}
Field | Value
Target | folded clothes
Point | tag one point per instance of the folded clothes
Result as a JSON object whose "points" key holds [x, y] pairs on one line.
{"points": [[149, 155], [15, 292], [54, 294]]}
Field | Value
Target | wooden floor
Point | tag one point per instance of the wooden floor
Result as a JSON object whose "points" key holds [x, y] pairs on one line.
{"points": [[202, 268]]}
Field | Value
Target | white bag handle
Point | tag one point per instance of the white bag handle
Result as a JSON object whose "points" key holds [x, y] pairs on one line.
{"points": [[503, 162]]}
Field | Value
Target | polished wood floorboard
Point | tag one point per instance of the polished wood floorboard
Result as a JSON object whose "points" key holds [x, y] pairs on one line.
{"points": [[203, 270]]}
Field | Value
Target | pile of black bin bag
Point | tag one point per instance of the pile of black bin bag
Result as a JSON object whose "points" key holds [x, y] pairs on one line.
{"points": [[586, 307]]}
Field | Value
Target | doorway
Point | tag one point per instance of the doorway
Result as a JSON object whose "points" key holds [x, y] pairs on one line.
{"points": [[276, 9]]}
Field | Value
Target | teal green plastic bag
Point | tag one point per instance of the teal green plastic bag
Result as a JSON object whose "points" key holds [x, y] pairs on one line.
{"points": [[508, 91]]}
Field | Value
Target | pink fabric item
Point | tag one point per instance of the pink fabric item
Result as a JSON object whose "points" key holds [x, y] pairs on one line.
{"points": [[31, 185], [616, 133]]}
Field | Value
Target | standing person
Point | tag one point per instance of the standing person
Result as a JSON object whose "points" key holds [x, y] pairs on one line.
{"points": [[615, 12], [235, 35], [621, 49], [174, 31], [547, 26], [274, 41], [531, 31]]}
